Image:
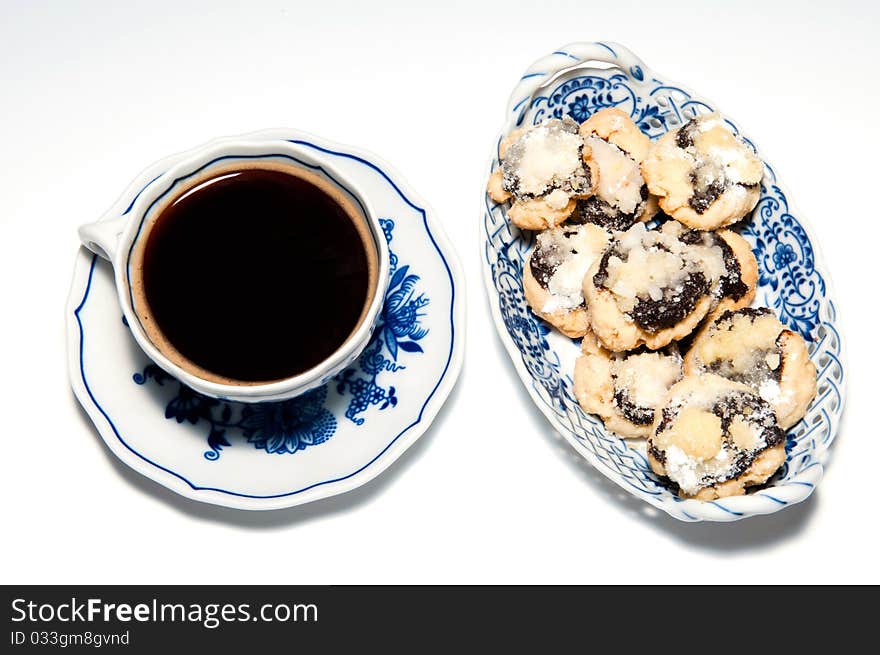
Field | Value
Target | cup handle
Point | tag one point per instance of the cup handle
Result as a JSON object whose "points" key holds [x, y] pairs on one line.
{"points": [[102, 237]]}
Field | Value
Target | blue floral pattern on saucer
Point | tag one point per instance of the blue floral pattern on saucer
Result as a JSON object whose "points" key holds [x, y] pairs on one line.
{"points": [[289, 426], [274, 455], [791, 281]]}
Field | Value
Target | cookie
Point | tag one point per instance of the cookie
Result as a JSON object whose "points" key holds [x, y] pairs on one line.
{"points": [[495, 186], [615, 126], [738, 286], [653, 287], [512, 137], [615, 147], [624, 389], [542, 173], [541, 213], [554, 274], [714, 437], [752, 347], [703, 174]]}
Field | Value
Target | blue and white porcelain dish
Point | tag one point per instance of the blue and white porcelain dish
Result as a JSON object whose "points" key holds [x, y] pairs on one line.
{"points": [[793, 280], [279, 454]]}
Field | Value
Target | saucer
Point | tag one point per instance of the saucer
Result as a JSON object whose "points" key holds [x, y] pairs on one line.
{"points": [[280, 454], [793, 280]]}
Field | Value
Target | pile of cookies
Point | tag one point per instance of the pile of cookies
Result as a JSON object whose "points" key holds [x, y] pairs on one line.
{"points": [[672, 352]]}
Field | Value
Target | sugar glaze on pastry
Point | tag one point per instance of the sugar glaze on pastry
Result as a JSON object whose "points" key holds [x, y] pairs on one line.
{"points": [[714, 437], [624, 389], [616, 147], [554, 272], [543, 172], [751, 346], [655, 286], [703, 174]]}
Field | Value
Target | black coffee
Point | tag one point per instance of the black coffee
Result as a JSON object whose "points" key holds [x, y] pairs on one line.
{"points": [[255, 275]]}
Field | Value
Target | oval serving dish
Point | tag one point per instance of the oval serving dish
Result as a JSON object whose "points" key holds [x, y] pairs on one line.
{"points": [[792, 280]]}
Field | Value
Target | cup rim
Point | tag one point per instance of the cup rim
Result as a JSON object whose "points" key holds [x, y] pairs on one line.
{"points": [[222, 153]]}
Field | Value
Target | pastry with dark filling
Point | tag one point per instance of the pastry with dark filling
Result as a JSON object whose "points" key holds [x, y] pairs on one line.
{"points": [[752, 347], [738, 285], [616, 147], [714, 437], [653, 287], [624, 389], [703, 174], [554, 273], [542, 173]]}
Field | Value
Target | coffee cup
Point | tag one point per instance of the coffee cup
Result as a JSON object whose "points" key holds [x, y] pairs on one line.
{"points": [[251, 270]]}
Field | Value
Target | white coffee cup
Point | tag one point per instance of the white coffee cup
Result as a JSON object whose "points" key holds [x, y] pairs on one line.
{"points": [[121, 240]]}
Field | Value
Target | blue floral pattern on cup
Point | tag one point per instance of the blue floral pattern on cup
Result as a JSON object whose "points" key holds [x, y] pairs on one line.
{"points": [[289, 426]]}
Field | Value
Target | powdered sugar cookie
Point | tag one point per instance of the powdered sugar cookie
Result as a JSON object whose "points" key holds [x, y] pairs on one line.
{"points": [[624, 389], [703, 174], [752, 347], [738, 285], [653, 287], [615, 147], [541, 213], [615, 126], [714, 437], [495, 187], [542, 173], [553, 277]]}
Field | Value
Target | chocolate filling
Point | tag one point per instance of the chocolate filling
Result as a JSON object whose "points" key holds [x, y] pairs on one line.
{"points": [[601, 276], [702, 199], [656, 315], [693, 237], [633, 413], [732, 285], [667, 416], [597, 211], [752, 312], [685, 136], [659, 455], [661, 217], [542, 268], [751, 409]]}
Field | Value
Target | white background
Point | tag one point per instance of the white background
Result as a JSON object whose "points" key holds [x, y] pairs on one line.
{"points": [[90, 93]]}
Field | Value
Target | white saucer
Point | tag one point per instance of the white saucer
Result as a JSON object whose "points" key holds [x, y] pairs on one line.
{"points": [[274, 455]]}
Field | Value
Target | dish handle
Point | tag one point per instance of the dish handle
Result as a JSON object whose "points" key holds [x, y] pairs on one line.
{"points": [[570, 57]]}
